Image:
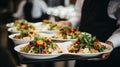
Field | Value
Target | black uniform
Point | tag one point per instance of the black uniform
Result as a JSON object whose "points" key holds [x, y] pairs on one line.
{"points": [[95, 20], [28, 13]]}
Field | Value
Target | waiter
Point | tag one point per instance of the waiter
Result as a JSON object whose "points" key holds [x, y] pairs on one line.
{"points": [[101, 18]]}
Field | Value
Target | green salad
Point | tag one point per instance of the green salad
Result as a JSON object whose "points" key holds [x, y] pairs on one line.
{"points": [[67, 32], [41, 45], [86, 44]]}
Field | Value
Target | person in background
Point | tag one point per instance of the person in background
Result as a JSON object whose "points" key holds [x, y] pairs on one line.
{"points": [[32, 10], [101, 18]]}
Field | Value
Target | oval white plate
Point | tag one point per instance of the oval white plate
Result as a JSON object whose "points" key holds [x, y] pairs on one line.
{"points": [[44, 28], [63, 46], [48, 31], [10, 24], [40, 26], [63, 39], [13, 30], [36, 56], [110, 48], [18, 41]]}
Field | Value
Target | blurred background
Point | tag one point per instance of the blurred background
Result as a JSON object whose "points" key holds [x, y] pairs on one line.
{"points": [[10, 10], [57, 8]]}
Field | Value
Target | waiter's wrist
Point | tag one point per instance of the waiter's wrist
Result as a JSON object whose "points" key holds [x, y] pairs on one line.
{"points": [[110, 43], [69, 23]]}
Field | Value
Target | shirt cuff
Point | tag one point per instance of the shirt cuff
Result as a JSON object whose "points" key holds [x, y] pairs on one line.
{"points": [[115, 39], [74, 22]]}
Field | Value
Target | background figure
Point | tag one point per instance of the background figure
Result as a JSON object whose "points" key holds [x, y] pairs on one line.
{"points": [[32, 10]]}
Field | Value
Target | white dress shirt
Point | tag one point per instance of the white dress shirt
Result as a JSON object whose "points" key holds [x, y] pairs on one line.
{"points": [[39, 6], [113, 12]]}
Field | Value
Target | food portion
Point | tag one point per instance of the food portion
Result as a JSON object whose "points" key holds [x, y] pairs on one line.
{"points": [[17, 23], [47, 22], [26, 34], [52, 25], [25, 25], [86, 44], [41, 45], [67, 33], [20, 25], [47, 25]]}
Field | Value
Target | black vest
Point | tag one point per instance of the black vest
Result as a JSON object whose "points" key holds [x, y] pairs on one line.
{"points": [[95, 19], [28, 13]]}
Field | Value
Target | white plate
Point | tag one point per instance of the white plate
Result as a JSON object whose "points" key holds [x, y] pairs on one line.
{"points": [[63, 46], [47, 34], [36, 56], [19, 41], [44, 28], [63, 39], [10, 24], [13, 30], [40, 26], [87, 54], [48, 31], [52, 34]]}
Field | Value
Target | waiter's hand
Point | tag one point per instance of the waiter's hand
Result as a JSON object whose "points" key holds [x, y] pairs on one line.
{"points": [[64, 23], [104, 56]]}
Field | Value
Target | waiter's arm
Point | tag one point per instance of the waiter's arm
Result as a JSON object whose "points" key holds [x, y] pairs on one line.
{"points": [[78, 9], [114, 12], [74, 20]]}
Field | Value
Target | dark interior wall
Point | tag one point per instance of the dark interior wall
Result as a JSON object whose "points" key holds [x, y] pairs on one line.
{"points": [[53, 3], [72, 1], [4, 3]]}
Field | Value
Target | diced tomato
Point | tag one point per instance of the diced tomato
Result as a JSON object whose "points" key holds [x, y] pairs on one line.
{"points": [[39, 43], [78, 42], [65, 31], [72, 30]]}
